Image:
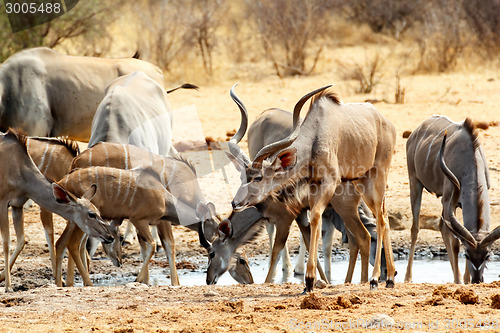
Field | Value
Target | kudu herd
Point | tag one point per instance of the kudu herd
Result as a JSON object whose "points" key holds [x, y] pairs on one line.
{"points": [[328, 170]]}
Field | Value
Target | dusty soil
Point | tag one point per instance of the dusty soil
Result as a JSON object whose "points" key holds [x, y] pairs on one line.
{"points": [[37, 305]]}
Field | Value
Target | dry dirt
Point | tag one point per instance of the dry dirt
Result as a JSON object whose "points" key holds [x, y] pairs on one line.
{"points": [[38, 305]]}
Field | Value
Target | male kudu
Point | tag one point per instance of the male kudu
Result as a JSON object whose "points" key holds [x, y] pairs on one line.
{"points": [[336, 142]]}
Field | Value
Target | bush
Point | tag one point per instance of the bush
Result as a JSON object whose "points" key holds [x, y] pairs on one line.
{"points": [[85, 23], [288, 30]]}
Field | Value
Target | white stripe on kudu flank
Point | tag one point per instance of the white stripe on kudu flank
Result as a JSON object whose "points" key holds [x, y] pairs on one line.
{"points": [[128, 187], [119, 183], [438, 135], [126, 156], [49, 159], [106, 153], [43, 157], [425, 133]]}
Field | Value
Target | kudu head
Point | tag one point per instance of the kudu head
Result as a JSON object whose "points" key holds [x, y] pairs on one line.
{"points": [[477, 246], [207, 214], [234, 232], [83, 212], [273, 165]]}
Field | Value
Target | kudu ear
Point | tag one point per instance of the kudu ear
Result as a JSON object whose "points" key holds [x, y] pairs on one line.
{"points": [[492, 236], [211, 209], [225, 230], [60, 194], [287, 159], [90, 193], [460, 232], [202, 211]]}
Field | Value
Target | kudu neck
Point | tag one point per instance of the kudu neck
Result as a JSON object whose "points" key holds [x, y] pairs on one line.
{"points": [[39, 189]]}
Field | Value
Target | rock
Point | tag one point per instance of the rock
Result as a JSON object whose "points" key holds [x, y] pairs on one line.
{"points": [[320, 284], [211, 293], [381, 320], [137, 285]]}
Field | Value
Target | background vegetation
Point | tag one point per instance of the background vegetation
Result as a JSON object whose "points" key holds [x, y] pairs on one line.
{"points": [[211, 39]]}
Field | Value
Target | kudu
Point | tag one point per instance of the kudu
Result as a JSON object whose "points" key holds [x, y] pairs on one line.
{"points": [[179, 178], [455, 169], [271, 126], [336, 142], [135, 194], [53, 158], [21, 179]]}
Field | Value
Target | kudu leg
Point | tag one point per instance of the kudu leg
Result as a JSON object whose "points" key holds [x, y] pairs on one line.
{"points": [[148, 248], [346, 217], [282, 231], [48, 226], [4, 229], [327, 238], [319, 198], [416, 189], [372, 189], [167, 241], [61, 245], [18, 219], [305, 233], [452, 247], [300, 268], [74, 246], [353, 256], [466, 275]]}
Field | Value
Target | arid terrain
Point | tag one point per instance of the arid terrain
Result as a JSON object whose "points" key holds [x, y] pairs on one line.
{"points": [[38, 306]]}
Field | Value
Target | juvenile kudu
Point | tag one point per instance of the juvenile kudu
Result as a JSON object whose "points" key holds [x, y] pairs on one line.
{"points": [[53, 158], [20, 179], [134, 194], [179, 179], [336, 142], [456, 169]]}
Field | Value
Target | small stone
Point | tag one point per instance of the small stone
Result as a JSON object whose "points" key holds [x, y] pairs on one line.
{"points": [[381, 320], [320, 284], [211, 293]]}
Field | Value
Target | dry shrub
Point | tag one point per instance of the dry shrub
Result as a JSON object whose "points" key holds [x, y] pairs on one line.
{"points": [[391, 16], [171, 32], [443, 36], [483, 17], [289, 31], [367, 75]]}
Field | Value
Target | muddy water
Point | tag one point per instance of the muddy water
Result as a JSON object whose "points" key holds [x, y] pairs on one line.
{"points": [[424, 270]]}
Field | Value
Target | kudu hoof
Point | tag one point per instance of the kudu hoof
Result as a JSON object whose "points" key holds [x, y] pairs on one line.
{"points": [[373, 284], [309, 284], [389, 284]]}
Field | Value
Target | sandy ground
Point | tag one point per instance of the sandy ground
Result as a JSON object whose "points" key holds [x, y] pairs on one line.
{"points": [[37, 305]]}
